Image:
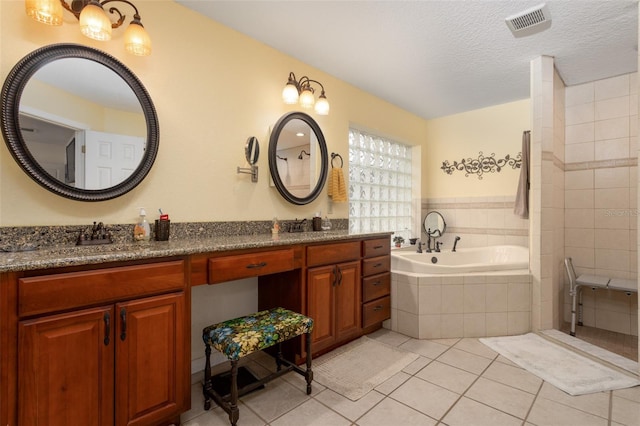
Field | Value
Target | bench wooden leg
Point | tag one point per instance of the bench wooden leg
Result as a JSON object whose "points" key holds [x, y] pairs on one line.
{"points": [[207, 388], [234, 412], [309, 373], [279, 358]]}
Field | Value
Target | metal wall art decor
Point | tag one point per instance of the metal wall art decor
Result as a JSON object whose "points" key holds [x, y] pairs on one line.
{"points": [[481, 165]]}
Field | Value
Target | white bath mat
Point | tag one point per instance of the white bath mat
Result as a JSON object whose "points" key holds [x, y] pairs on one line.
{"points": [[356, 368], [561, 367]]}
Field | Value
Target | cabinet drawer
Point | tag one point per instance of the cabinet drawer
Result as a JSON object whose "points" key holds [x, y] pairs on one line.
{"points": [[376, 311], [376, 265], [376, 286], [50, 293], [229, 268], [332, 253], [377, 247]]}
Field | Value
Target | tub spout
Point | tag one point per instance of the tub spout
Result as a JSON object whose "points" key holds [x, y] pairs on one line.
{"points": [[455, 243]]}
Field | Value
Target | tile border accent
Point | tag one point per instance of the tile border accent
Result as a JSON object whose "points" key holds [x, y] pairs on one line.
{"points": [[601, 164], [489, 231], [433, 205], [550, 156]]}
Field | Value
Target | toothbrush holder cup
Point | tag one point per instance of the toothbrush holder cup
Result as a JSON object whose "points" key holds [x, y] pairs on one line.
{"points": [[162, 230]]}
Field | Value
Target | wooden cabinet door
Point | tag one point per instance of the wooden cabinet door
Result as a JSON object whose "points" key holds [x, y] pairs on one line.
{"points": [[321, 306], [348, 301], [65, 371], [150, 359]]}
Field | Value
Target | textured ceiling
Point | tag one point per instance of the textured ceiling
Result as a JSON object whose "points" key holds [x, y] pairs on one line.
{"points": [[436, 58]]}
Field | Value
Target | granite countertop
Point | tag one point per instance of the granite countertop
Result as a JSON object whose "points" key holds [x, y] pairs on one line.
{"points": [[61, 256]]}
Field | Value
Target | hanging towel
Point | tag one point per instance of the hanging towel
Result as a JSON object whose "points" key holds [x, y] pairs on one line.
{"points": [[522, 196], [337, 187]]}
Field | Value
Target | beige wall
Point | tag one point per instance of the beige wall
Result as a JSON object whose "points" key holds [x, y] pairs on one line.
{"points": [[212, 88], [496, 129], [480, 211]]}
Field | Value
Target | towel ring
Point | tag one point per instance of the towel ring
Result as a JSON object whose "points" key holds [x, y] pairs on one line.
{"points": [[334, 155]]}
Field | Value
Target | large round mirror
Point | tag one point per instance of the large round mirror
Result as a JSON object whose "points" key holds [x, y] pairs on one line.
{"points": [[434, 224], [79, 122], [298, 158]]}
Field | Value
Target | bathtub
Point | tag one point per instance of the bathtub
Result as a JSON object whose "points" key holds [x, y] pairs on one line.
{"points": [[473, 292], [462, 261]]}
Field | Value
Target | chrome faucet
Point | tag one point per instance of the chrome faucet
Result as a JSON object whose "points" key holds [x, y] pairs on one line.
{"points": [[455, 243]]}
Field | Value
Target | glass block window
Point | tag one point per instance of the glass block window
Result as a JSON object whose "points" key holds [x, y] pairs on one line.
{"points": [[379, 185]]}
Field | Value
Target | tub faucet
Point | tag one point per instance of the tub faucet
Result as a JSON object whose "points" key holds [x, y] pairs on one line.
{"points": [[455, 243]]}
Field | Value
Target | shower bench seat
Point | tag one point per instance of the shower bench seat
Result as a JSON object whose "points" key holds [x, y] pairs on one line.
{"points": [[592, 281]]}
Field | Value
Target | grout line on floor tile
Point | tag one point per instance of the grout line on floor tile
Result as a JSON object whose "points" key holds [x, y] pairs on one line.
{"points": [[610, 408], [535, 398], [467, 389]]}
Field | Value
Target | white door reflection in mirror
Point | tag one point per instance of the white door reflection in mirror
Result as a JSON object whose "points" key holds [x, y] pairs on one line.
{"points": [[110, 158]]}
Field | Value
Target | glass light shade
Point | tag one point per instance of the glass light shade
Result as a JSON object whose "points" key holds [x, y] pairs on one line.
{"points": [[94, 22], [290, 94], [136, 40], [45, 11], [322, 106], [307, 99]]}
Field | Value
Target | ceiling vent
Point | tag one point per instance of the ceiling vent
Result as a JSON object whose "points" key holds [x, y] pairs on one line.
{"points": [[531, 21]]}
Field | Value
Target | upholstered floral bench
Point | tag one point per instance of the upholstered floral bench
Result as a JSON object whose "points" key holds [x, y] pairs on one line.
{"points": [[242, 336]]}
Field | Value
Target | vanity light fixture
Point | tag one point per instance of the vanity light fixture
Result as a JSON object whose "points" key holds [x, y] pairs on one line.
{"points": [[94, 22], [300, 91]]}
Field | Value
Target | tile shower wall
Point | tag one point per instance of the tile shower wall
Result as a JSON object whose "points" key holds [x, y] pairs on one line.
{"points": [[479, 221], [601, 195]]}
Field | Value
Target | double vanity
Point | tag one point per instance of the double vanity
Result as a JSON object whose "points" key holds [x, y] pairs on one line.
{"points": [[101, 335]]}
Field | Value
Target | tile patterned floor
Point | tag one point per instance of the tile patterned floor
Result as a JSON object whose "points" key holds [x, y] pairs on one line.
{"points": [[453, 382]]}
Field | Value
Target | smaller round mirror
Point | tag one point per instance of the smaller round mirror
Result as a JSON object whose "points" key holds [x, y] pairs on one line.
{"points": [[434, 224], [252, 150]]}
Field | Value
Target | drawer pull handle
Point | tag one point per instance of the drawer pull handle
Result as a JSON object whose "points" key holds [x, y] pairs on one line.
{"points": [[123, 319], [107, 328], [377, 247], [377, 265], [337, 276], [377, 308], [256, 265], [376, 283]]}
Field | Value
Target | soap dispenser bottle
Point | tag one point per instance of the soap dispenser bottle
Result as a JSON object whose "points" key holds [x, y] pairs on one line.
{"points": [[142, 230]]}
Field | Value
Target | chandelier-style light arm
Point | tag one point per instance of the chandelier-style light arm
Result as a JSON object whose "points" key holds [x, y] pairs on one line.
{"points": [[305, 82], [77, 6]]}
